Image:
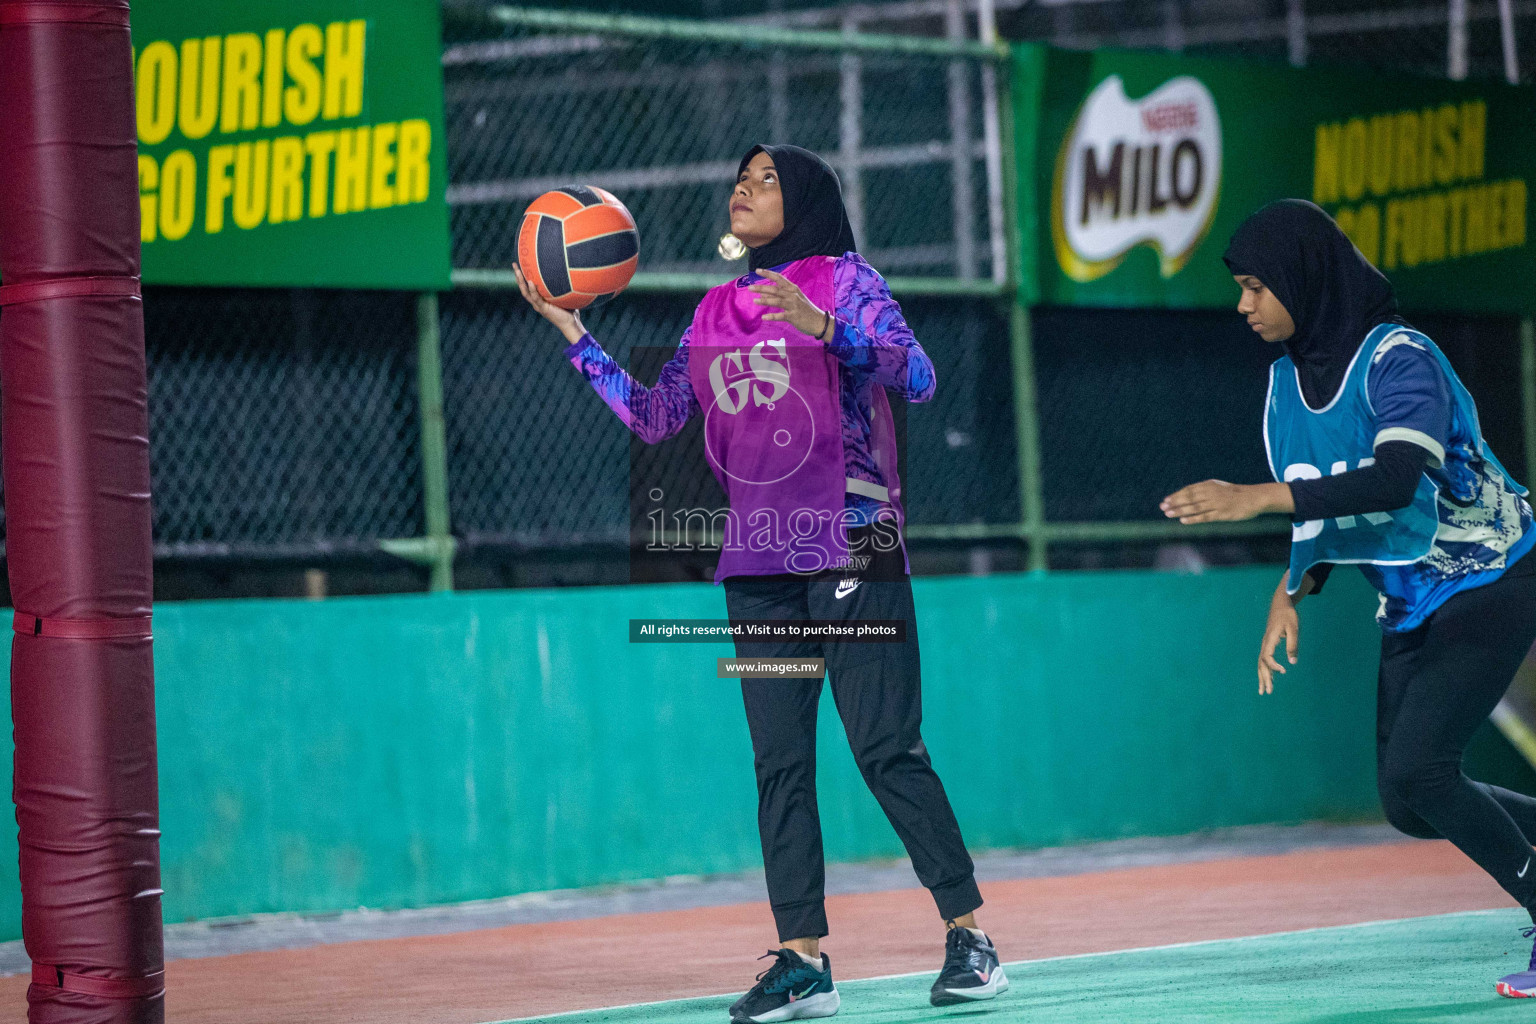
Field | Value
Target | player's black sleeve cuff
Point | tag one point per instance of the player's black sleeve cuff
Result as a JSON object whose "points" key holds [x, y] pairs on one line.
{"points": [[1319, 575], [1388, 484]]}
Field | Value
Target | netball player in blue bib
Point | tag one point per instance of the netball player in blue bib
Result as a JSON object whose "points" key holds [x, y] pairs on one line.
{"points": [[1380, 462]]}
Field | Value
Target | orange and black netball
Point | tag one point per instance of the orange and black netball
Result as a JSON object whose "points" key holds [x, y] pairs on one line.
{"points": [[578, 246]]}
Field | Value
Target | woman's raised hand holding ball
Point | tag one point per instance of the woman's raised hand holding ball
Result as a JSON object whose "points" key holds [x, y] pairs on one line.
{"points": [[568, 321]]}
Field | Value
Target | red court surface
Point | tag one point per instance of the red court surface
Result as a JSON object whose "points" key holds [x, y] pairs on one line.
{"points": [[525, 970]]}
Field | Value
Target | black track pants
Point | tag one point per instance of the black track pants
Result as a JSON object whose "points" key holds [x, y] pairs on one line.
{"points": [[1437, 684], [877, 690]]}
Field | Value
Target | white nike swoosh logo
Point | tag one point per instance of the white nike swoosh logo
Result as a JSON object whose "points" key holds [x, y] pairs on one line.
{"points": [[841, 593], [1524, 869]]}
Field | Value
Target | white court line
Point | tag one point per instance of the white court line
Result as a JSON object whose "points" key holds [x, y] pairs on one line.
{"points": [[1041, 960]]}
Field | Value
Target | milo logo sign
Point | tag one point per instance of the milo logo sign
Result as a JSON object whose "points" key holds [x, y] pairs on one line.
{"points": [[1133, 172]]}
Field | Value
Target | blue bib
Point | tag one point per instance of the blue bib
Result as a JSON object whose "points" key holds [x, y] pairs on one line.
{"points": [[1303, 443]]}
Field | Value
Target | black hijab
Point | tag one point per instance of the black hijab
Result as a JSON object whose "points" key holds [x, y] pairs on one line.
{"points": [[1332, 292], [815, 222]]}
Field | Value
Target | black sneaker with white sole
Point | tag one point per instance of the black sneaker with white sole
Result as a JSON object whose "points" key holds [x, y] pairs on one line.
{"points": [[790, 989], [971, 971]]}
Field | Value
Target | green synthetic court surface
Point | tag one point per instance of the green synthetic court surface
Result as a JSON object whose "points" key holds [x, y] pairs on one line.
{"points": [[1416, 971]]}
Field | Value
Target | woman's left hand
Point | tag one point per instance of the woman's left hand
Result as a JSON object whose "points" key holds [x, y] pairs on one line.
{"points": [[1216, 501], [800, 312]]}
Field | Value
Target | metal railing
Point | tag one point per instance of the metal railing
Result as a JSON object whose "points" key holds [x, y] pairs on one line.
{"points": [[535, 36], [893, 114], [473, 445]]}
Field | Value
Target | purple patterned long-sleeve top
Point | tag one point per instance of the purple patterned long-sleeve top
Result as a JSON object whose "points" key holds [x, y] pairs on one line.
{"points": [[872, 343]]}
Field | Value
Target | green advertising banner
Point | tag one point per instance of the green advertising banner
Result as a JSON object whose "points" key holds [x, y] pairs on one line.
{"points": [[1144, 164], [292, 142]]}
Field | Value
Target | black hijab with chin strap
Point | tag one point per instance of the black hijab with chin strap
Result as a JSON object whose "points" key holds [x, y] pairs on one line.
{"points": [[815, 222], [1332, 292]]}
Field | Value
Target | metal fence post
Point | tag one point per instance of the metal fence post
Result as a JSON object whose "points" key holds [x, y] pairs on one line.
{"points": [[434, 441], [986, 23], [1296, 33], [1528, 392], [1456, 40], [1507, 38], [962, 159], [1026, 417], [1027, 429], [850, 131]]}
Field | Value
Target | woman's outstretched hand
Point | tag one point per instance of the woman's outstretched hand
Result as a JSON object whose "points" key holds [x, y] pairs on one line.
{"points": [[1216, 501], [1283, 624], [566, 320], [800, 312]]}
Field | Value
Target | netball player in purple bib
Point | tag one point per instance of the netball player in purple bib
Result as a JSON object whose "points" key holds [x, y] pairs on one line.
{"points": [[788, 366]]}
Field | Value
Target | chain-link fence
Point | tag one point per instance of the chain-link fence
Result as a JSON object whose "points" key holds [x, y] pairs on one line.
{"points": [[1441, 38], [537, 460], [661, 114], [284, 421], [1159, 400], [288, 425], [662, 118], [1414, 37]]}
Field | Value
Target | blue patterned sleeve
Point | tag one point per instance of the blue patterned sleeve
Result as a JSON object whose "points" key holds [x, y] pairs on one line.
{"points": [[1411, 397], [871, 335], [653, 413]]}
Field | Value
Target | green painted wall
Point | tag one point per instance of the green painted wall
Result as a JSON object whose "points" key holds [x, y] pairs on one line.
{"points": [[411, 750]]}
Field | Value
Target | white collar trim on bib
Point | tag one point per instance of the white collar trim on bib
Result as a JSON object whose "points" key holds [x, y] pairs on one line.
{"points": [[1296, 376]]}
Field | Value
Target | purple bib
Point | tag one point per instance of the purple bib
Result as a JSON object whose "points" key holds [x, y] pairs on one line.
{"points": [[773, 429]]}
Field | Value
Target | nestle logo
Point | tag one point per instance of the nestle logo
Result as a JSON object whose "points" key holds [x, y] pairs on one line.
{"points": [[1170, 117]]}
